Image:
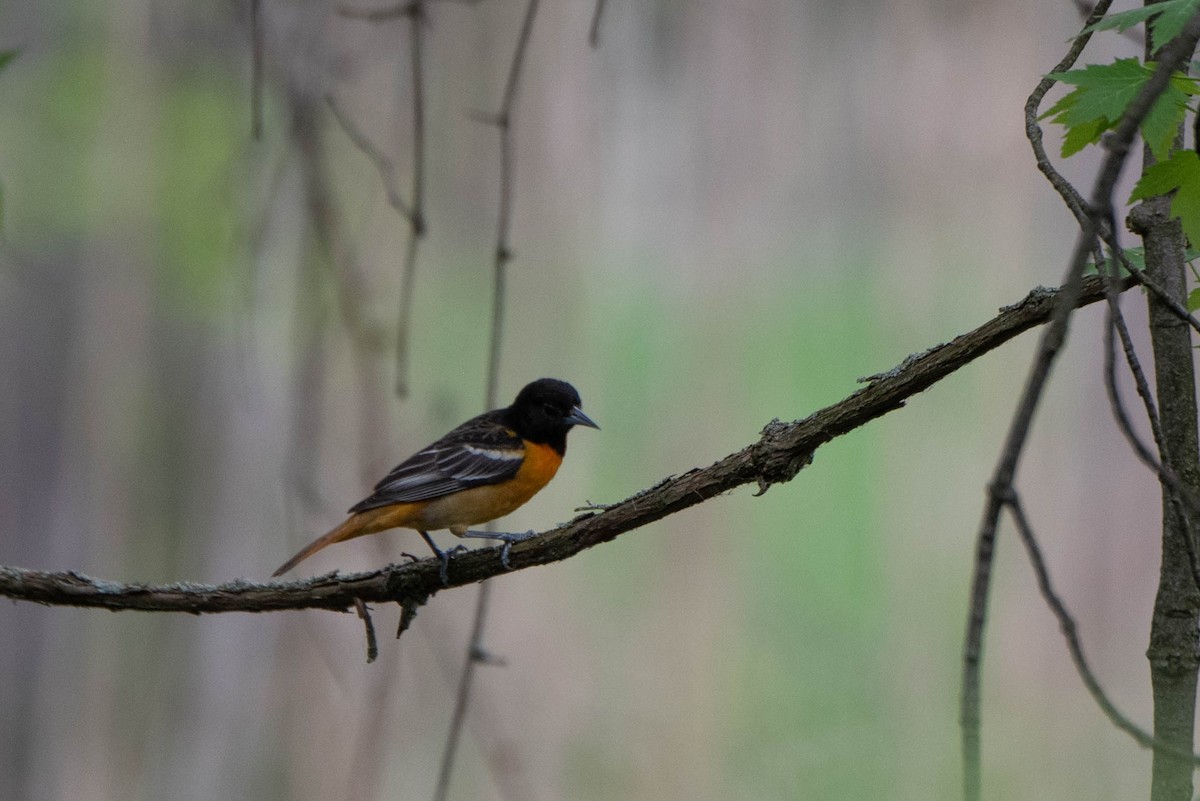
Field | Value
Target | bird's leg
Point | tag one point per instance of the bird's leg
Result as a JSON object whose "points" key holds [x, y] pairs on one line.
{"points": [[444, 556], [506, 538]]}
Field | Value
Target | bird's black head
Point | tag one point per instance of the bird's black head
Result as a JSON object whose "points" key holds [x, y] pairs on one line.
{"points": [[546, 410]]}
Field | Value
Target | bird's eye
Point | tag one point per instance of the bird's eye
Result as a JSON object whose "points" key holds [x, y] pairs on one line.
{"points": [[550, 410]]}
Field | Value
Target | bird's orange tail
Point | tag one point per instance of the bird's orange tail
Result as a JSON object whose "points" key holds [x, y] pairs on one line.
{"points": [[354, 526]]}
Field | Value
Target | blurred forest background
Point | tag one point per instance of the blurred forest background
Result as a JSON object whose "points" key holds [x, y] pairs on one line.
{"points": [[726, 213]]}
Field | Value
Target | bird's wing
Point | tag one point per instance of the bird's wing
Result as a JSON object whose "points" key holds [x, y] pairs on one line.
{"points": [[480, 451]]}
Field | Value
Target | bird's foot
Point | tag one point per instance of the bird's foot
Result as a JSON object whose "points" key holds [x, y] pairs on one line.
{"points": [[505, 537], [443, 557]]}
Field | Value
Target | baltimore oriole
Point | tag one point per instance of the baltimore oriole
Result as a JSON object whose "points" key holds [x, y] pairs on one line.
{"points": [[480, 471]]}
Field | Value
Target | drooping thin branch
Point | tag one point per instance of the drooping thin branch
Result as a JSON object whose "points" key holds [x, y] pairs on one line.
{"points": [[476, 654], [1174, 489], [394, 11], [327, 225], [1160, 294], [408, 274], [414, 210], [256, 69], [1071, 633], [1176, 492], [503, 121], [1109, 237], [1118, 144], [594, 30], [462, 697], [774, 458], [383, 163], [374, 14], [1033, 130]]}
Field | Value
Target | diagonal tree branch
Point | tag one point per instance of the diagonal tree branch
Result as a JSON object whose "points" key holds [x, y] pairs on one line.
{"points": [[776, 457]]}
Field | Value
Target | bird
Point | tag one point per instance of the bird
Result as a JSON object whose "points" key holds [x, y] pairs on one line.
{"points": [[481, 470]]}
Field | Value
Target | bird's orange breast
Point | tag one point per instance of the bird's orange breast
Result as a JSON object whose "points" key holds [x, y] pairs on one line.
{"points": [[460, 510]]}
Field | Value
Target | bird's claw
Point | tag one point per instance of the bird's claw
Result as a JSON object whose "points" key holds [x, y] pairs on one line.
{"points": [[444, 558], [504, 537], [508, 540]]}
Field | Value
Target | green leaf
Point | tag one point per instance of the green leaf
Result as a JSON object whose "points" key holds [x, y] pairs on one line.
{"points": [[1193, 300], [1135, 256], [1104, 91], [1161, 125], [1166, 20], [1181, 175], [1082, 135], [1167, 25], [6, 56], [1127, 19]]}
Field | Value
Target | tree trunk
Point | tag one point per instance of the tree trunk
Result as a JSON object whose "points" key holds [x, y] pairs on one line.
{"points": [[1173, 629]]}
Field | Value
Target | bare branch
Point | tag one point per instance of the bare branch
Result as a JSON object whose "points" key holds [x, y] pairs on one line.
{"points": [[385, 166], [256, 69], [376, 14], [597, 13], [414, 210], [1071, 633], [476, 653], [396, 11], [1100, 210], [1033, 131], [1160, 294], [1178, 494], [774, 458], [417, 219], [503, 254], [364, 614]]}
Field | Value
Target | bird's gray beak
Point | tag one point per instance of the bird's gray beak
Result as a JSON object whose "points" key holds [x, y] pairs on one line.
{"points": [[578, 418]]}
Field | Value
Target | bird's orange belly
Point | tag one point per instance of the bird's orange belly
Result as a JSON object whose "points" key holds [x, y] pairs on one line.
{"points": [[471, 507]]}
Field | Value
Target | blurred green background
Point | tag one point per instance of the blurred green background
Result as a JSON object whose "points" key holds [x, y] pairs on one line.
{"points": [[726, 213]]}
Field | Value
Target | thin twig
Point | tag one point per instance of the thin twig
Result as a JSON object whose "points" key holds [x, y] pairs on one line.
{"points": [[969, 716], [1071, 633], [417, 219], [1053, 338], [390, 12], [774, 458], [1109, 236], [414, 210], [594, 30], [328, 227], [1160, 294], [463, 696], [364, 615], [384, 165], [503, 254], [375, 14], [1178, 494], [1033, 130], [476, 653], [256, 69]]}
